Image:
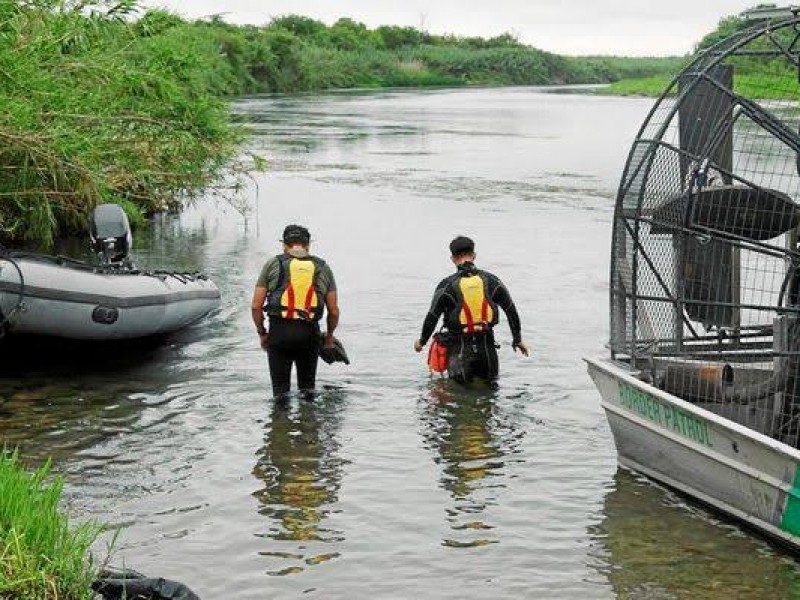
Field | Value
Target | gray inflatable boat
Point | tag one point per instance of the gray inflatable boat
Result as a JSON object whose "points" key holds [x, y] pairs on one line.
{"points": [[110, 300]]}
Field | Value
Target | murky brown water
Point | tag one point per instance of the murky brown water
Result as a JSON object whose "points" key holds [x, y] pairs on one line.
{"points": [[389, 485]]}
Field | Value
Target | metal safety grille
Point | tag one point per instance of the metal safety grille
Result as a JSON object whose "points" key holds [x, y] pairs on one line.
{"points": [[705, 264]]}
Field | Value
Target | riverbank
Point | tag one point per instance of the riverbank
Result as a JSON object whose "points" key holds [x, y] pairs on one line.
{"points": [[120, 105], [41, 554], [299, 54], [753, 85], [113, 105]]}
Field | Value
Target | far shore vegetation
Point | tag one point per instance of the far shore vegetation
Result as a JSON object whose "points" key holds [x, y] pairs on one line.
{"points": [[104, 101], [42, 555]]}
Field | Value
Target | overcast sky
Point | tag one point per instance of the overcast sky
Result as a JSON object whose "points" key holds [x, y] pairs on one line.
{"points": [[621, 27]]}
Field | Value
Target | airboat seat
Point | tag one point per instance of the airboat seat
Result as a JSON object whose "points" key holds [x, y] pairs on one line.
{"points": [[755, 213]]}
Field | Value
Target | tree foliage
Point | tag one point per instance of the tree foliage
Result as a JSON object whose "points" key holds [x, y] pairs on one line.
{"points": [[296, 53]]}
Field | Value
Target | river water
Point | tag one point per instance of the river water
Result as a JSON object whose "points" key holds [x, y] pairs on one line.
{"points": [[391, 484]]}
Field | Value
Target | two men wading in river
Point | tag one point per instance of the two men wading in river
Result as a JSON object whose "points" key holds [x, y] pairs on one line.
{"points": [[294, 289]]}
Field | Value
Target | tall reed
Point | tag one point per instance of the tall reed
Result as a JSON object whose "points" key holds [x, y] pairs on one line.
{"points": [[96, 109], [42, 556]]}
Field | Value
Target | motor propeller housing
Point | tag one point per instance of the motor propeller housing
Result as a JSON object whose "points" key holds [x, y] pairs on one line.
{"points": [[110, 233]]}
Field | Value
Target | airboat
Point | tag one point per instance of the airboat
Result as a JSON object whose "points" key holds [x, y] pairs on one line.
{"points": [[702, 385], [105, 300]]}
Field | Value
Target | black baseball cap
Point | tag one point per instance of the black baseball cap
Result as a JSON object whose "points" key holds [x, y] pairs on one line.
{"points": [[461, 245], [296, 234]]}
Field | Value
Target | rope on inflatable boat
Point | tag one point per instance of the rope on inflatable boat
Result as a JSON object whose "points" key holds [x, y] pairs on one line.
{"points": [[80, 265], [5, 319]]}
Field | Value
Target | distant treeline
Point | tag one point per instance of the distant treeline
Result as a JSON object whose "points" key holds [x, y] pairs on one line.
{"points": [[294, 53], [104, 103]]}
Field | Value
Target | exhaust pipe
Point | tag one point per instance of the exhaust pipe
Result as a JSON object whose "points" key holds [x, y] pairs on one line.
{"points": [[698, 382]]}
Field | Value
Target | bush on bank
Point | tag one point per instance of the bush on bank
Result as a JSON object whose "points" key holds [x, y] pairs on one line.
{"points": [[96, 109], [41, 555]]}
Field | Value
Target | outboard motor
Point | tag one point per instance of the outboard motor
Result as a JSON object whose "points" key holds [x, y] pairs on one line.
{"points": [[111, 235]]}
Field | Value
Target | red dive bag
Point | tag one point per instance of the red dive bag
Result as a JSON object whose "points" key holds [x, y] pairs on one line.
{"points": [[437, 356]]}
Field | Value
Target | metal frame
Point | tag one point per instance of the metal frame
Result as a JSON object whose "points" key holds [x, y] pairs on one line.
{"points": [[663, 302]]}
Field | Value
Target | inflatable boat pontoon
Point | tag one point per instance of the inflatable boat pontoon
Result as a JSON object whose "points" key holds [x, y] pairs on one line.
{"points": [[112, 300]]}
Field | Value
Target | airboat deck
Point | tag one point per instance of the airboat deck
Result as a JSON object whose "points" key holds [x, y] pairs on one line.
{"points": [[702, 385], [733, 468]]}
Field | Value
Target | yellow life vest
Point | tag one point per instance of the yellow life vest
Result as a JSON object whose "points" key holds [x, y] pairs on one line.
{"points": [[296, 296], [474, 311]]}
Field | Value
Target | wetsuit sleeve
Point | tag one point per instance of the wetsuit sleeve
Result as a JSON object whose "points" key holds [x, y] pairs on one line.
{"points": [[502, 297], [441, 300], [268, 278]]}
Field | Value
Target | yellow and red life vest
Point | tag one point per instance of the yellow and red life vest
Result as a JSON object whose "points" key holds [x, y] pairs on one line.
{"points": [[474, 311], [297, 295]]}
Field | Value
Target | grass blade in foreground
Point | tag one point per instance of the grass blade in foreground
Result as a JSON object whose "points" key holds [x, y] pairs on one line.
{"points": [[41, 556]]}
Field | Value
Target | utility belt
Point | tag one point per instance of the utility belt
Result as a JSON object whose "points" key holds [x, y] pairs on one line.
{"points": [[281, 322], [449, 338], [300, 314], [456, 343]]}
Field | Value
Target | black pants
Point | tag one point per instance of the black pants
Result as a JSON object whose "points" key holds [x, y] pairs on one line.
{"points": [[293, 342], [470, 356]]}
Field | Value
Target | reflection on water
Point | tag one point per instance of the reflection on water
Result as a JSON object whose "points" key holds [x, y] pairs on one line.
{"points": [[162, 243], [58, 398], [186, 250], [302, 474], [61, 397], [651, 544], [472, 443]]}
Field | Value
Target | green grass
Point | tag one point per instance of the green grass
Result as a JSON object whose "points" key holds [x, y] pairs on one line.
{"points": [[42, 557], [97, 110], [768, 86], [646, 86], [760, 86]]}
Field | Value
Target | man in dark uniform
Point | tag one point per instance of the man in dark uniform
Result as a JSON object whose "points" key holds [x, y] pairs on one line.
{"points": [[294, 289], [468, 300]]}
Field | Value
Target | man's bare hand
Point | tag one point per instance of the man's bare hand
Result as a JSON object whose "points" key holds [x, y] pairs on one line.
{"points": [[418, 346], [521, 347]]}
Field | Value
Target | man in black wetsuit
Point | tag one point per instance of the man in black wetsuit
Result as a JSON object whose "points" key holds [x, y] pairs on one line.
{"points": [[469, 299], [293, 289]]}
